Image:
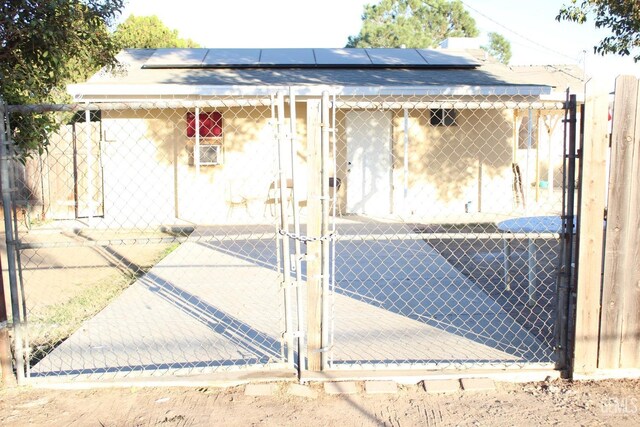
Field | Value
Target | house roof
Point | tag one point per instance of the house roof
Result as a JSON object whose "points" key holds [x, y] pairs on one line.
{"points": [[148, 73], [560, 76]]}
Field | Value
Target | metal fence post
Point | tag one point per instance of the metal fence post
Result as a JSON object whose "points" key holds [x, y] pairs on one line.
{"points": [[325, 202], [566, 256], [5, 341], [296, 230], [314, 230], [284, 228], [11, 247]]}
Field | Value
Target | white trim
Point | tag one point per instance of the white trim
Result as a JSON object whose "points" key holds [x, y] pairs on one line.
{"points": [[86, 91]]}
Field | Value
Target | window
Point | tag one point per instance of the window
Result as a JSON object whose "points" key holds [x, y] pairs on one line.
{"points": [[205, 133], [210, 154], [443, 117]]}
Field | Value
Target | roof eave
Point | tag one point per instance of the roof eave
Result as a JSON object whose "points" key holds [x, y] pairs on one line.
{"points": [[86, 91]]}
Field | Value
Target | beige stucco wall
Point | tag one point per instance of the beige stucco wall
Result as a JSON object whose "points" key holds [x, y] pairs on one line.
{"points": [[150, 178], [448, 166]]}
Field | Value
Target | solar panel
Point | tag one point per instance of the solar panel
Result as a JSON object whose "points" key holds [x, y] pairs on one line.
{"points": [[342, 57], [395, 57], [218, 57], [311, 58], [177, 58], [441, 58], [287, 57]]}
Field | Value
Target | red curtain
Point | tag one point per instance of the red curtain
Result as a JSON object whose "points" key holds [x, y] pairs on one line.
{"points": [[210, 124]]}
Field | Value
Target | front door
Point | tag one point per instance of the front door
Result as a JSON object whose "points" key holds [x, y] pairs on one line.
{"points": [[369, 162]]}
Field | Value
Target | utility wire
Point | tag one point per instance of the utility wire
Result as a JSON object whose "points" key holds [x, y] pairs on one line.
{"points": [[518, 34]]}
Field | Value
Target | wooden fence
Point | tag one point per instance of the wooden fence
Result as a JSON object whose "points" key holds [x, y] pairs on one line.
{"points": [[607, 328]]}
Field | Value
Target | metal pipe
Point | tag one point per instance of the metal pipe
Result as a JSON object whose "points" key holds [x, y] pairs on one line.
{"points": [[296, 231], [136, 105], [11, 248], [564, 259], [324, 148], [332, 242], [277, 236], [5, 341], [284, 228], [265, 102], [394, 104], [23, 297]]}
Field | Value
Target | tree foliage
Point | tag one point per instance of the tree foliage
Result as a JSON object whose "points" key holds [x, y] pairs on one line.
{"points": [[622, 17], [45, 44], [148, 32], [499, 47], [413, 24]]}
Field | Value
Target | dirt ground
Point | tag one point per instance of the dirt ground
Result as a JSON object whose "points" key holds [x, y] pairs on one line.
{"points": [[609, 403]]}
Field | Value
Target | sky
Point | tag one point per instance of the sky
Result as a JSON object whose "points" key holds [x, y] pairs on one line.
{"points": [[535, 36]]}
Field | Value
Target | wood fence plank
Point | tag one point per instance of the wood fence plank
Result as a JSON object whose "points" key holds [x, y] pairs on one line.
{"points": [[630, 345], [616, 274], [589, 281]]}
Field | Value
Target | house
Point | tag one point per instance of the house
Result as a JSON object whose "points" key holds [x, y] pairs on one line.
{"points": [[414, 132]]}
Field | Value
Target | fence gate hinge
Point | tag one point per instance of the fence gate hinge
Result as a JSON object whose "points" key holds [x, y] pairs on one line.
{"points": [[294, 334], [294, 261]]}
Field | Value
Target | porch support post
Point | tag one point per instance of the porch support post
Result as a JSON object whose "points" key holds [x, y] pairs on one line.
{"points": [[527, 183], [196, 147], [537, 156], [550, 123], [406, 160]]}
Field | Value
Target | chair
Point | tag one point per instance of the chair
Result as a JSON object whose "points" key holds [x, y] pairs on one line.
{"points": [[236, 200], [334, 188], [273, 196]]}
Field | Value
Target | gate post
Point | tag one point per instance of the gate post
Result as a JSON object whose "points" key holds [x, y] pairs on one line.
{"points": [[284, 227], [314, 230], [11, 249], [6, 367]]}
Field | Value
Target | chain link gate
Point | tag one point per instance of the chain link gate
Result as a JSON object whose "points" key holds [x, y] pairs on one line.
{"points": [[450, 247], [146, 239]]}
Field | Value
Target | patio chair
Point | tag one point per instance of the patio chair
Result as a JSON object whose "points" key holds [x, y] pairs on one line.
{"points": [[273, 196], [235, 199], [334, 188]]}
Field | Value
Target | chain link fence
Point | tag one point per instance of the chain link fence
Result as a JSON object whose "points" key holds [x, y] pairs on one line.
{"points": [[448, 233], [147, 242], [179, 237]]}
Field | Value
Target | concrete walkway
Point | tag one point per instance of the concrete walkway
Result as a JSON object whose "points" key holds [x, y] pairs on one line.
{"points": [[216, 303], [399, 302], [198, 310]]}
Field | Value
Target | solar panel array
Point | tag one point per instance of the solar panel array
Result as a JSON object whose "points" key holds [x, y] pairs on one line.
{"points": [[309, 58]]}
